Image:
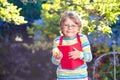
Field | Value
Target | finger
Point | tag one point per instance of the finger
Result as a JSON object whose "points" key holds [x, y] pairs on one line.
{"points": [[75, 49], [72, 57], [71, 54]]}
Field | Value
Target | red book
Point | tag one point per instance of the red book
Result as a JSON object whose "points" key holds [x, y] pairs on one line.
{"points": [[67, 63]]}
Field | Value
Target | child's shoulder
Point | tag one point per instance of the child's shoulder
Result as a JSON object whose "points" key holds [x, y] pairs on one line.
{"points": [[57, 38], [82, 35]]}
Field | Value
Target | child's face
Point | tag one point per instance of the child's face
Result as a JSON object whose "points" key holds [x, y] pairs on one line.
{"points": [[69, 28]]}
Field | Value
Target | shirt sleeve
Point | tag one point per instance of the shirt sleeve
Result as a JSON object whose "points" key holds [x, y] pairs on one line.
{"points": [[86, 55], [55, 45]]}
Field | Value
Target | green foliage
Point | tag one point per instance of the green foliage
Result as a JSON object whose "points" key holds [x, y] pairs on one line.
{"points": [[104, 14], [41, 41], [30, 9], [31, 1], [10, 13]]}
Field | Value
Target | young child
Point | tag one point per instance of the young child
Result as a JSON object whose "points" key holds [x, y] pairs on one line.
{"points": [[70, 25]]}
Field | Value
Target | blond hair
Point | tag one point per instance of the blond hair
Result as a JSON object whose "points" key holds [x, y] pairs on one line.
{"points": [[73, 16]]}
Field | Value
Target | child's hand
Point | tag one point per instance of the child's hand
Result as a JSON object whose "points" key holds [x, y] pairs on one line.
{"points": [[57, 54], [74, 54], [55, 51]]}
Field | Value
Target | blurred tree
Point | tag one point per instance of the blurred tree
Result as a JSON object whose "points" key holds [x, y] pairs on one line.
{"points": [[31, 9], [10, 13], [9, 18], [97, 15]]}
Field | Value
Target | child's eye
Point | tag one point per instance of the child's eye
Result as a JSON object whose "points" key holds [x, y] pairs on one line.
{"points": [[73, 26], [66, 25]]}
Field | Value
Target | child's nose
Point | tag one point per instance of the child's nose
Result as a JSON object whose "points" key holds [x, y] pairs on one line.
{"points": [[69, 27]]}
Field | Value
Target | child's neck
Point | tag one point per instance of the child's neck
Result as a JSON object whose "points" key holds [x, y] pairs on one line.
{"points": [[69, 38]]}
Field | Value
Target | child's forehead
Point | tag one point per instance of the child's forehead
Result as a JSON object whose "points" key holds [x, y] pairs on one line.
{"points": [[67, 18], [70, 19]]}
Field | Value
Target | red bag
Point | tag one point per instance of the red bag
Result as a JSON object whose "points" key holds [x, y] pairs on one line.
{"points": [[67, 63]]}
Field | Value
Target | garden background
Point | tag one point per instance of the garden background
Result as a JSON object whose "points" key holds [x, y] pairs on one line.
{"points": [[28, 27]]}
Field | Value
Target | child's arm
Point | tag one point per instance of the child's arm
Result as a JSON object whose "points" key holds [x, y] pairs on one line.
{"points": [[86, 55], [56, 56]]}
